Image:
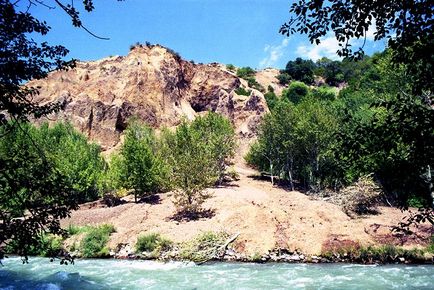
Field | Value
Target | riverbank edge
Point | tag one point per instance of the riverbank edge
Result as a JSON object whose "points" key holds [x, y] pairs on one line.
{"points": [[412, 257]]}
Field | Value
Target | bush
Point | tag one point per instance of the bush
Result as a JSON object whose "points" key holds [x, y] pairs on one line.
{"points": [[296, 92], [362, 197], [284, 78], [152, 243], [94, 243], [243, 92], [245, 72], [48, 245], [230, 67], [271, 99], [324, 93], [204, 247], [248, 74]]}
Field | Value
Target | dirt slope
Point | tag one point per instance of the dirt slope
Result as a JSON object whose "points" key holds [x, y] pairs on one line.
{"points": [[265, 216]]}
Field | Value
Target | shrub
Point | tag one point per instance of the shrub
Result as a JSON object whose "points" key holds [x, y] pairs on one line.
{"points": [[204, 247], [94, 243], [245, 72], [361, 197], [324, 93], [230, 67], [242, 92], [284, 78], [48, 245], [271, 99], [152, 243], [296, 92]]}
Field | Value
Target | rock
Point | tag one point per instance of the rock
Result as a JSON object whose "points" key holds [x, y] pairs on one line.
{"points": [[294, 258], [402, 259], [151, 83]]}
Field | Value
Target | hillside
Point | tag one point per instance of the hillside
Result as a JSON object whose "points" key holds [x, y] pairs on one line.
{"points": [[153, 84], [266, 218]]}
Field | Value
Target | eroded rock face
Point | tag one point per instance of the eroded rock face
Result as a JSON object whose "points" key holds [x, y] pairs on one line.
{"points": [[152, 84]]}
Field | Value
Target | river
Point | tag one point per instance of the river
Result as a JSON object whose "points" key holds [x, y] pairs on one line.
{"points": [[127, 274]]}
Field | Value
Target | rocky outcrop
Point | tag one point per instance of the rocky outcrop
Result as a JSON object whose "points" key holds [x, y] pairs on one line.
{"points": [[151, 83]]}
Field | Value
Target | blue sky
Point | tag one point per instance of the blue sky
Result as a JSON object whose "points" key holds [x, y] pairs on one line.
{"points": [[241, 32]]}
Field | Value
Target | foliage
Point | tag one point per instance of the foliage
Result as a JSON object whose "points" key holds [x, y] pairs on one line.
{"points": [[405, 24], [94, 243], [271, 98], [48, 245], [300, 70], [152, 243], [294, 143], [198, 153], [283, 78], [243, 92], [296, 92], [245, 72], [23, 60], [34, 193], [77, 159], [230, 67], [248, 74], [204, 247], [139, 165], [324, 93], [219, 135]]}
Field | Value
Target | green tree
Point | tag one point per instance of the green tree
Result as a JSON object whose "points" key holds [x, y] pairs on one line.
{"points": [[23, 59], [77, 159], [406, 25], [140, 165], [34, 193], [198, 153], [193, 169], [219, 135], [295, 143], [300, 70]]}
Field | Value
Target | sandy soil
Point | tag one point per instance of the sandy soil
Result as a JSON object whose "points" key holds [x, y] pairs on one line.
{"points": [[265, 216]]}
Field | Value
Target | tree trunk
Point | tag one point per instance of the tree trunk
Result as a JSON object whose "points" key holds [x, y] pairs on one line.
{"points": [[291, 183], [430, 186], [271, 173]]}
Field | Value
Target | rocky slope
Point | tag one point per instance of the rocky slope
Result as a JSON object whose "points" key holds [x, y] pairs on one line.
{"points": [[151, 83]]}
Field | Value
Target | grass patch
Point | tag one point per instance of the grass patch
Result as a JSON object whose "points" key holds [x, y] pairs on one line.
{"points": [[204, 247], [153, 243], [76, 230], [94, 243]]}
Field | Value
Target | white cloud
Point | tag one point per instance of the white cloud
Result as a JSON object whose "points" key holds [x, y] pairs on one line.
{"points": [[327, 48], [274, 53]]}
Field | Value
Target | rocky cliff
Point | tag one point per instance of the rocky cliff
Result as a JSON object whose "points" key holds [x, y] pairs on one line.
{"points": [[151, 83]]}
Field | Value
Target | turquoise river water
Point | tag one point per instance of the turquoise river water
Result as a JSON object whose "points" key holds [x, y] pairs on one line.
{"points": [[127, 274]]}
